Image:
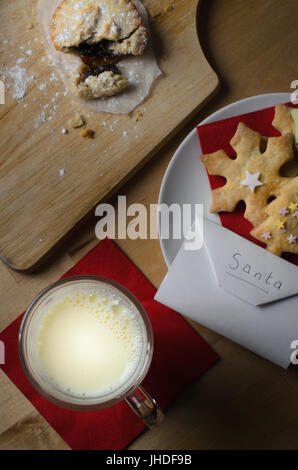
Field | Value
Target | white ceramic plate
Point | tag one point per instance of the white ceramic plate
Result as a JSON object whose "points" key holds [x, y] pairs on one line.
{"points": [[186, 181]]}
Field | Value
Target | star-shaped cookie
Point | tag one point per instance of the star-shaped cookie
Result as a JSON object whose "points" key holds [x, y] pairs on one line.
{"points": [[283, 230], [250, 159]]}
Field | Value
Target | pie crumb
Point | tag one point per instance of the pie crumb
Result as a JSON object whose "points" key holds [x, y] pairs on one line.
{"points": [[30, 26], [87, 133], [77, 121], [154, 13], [169, 8], [138, 116]]}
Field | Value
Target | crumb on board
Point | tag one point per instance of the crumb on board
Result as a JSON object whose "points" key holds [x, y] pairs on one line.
{"points": [[87, 133], [30, 26], [138, 116], [33, 11], [169, 8], [154, 13], [64, 131], [77, 121]]}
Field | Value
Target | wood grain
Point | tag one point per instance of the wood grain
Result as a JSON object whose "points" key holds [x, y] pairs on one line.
{"points": [[243, 402], [38, 207]]}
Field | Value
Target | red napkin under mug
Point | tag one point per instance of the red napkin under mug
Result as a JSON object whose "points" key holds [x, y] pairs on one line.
{"points": [[180, 356]]}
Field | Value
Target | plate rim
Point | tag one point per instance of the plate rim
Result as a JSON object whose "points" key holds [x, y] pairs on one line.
{"points": [[285, 96]]}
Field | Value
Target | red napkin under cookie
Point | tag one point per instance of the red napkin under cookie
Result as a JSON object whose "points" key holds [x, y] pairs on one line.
{"points": [[180, 356], [216, 136]]}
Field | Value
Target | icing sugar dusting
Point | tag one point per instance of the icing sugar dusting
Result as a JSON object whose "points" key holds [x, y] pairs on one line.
{"points": [[18, 80]]}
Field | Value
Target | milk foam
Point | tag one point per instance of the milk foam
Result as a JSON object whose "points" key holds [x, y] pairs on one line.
{"points": [[91, 340]]}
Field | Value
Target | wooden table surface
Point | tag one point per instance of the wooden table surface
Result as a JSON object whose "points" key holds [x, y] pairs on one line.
{"points": [[243, 402]]}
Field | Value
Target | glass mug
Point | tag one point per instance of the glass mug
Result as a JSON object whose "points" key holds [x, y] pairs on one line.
{"points": [[130, 390]]}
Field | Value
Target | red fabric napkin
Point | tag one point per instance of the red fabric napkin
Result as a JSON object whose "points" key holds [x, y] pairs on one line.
{"points": [[180, 356], [216, 136]]}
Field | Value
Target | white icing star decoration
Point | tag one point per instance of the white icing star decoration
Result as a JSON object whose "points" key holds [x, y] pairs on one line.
{"points": [[252, 180], [292, 239]]}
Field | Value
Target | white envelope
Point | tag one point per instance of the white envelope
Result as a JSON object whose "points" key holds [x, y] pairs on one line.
{"points": [[237, 289], [247, 270]]}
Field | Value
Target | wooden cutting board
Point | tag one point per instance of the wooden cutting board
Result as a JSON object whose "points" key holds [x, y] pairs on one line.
{"points": [[38, 207]]}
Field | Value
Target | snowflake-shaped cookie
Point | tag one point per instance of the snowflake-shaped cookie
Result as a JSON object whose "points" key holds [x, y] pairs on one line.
{"points": [[283, 229], [284, 123], [283, 120], [251, 164]]}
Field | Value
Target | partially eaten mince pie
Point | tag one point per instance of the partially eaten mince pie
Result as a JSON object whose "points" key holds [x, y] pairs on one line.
{"points": [[100, 32]]}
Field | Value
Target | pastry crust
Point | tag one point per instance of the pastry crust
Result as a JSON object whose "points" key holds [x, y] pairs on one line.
{"points": [[134, 44], [115, 24], [97, 85]]}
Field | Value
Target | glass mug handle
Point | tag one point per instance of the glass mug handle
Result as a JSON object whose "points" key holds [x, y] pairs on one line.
{"points": [[145, 408]]}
